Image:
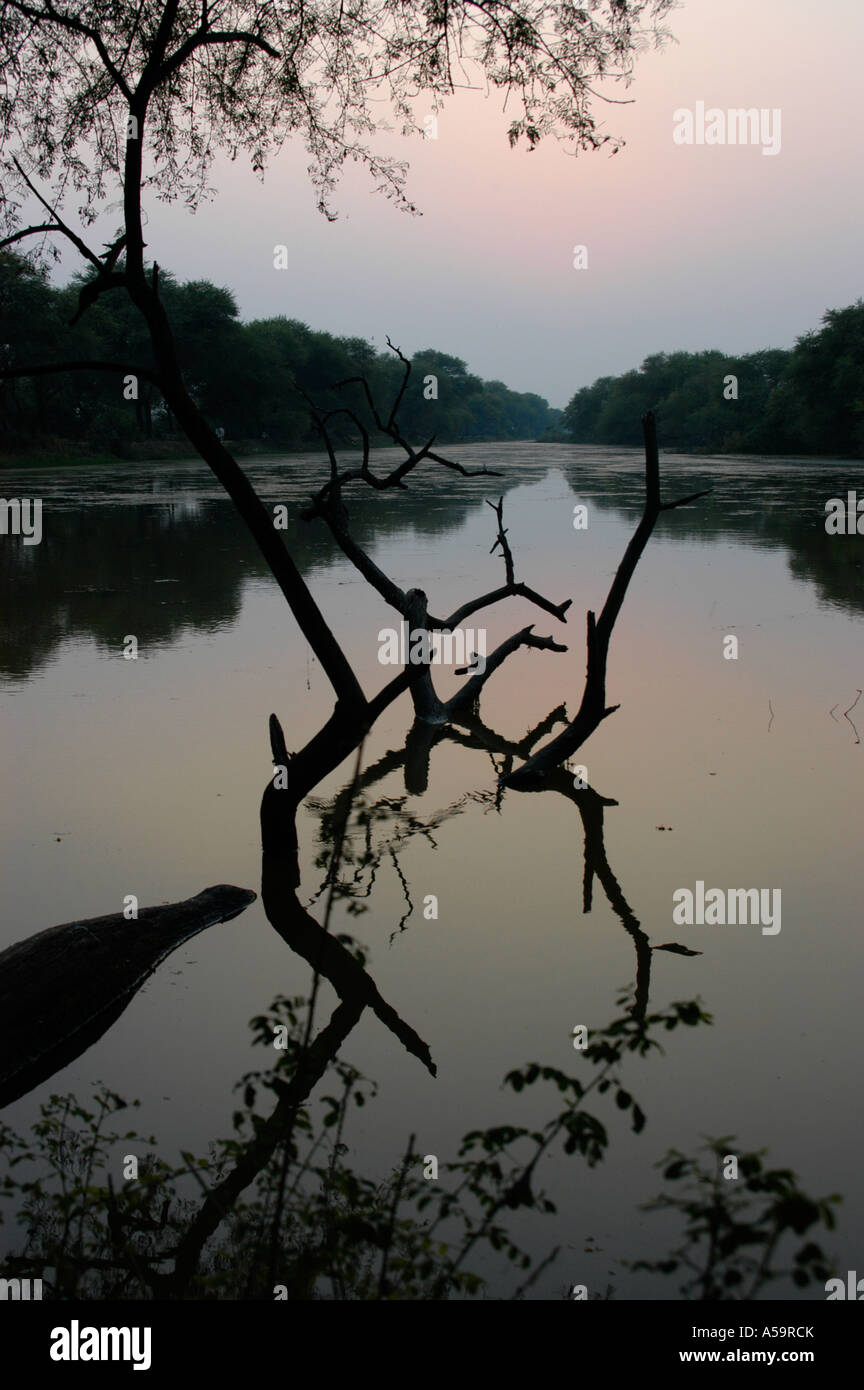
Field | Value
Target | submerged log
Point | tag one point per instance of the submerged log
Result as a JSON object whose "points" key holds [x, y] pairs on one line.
{"points": [[62, 988]]}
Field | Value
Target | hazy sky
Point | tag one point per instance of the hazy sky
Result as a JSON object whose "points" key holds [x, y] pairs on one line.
{"points": [[691, 247]]}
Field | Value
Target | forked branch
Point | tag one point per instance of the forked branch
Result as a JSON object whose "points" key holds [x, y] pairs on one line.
{"points": [[593, 709]]}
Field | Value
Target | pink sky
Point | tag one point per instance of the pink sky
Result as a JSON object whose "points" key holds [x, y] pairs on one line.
{"points": [[688, 247]]}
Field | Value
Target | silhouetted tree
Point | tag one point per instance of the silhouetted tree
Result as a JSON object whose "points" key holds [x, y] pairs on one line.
{"points": [[807, 400], [91, 90]]}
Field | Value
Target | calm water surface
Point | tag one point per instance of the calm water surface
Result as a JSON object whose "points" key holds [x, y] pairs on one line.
{"points": [[145, 777]]}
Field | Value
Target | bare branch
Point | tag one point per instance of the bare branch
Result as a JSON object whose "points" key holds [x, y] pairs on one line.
{"points": [[512, 589], [391, 423], [391, 429], [89, 293], [593, 709], [30, 231], [517, 590], [483, 472], [682, 501], [470, 691], [255, 1156], [334, 513], [202, 37], [80, 245], [329, 505], [501, 539]]}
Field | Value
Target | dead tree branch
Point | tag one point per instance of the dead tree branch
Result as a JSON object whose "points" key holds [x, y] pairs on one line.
{"points": [[57, 222], [328, 504], [513, 588], [270, 1133], [470, 691], [325, 953], [593, 709]]}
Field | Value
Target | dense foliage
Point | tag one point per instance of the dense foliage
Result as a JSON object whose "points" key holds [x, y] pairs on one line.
{"points": [[248, 378], [806, 400]]}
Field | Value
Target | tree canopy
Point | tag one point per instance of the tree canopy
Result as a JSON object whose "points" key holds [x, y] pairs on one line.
{"points": [[117, 97], [249, 379], [190, 77], [809, 399]]}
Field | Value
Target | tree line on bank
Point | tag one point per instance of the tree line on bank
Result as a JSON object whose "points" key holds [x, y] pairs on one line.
{"points": [[252, 380], [809, 399]]}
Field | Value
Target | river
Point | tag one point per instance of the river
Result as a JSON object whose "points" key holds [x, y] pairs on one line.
{"points": [[144, 777]]}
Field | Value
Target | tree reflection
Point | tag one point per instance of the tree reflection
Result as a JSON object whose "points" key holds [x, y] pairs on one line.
{"points": [[277, 1210]]}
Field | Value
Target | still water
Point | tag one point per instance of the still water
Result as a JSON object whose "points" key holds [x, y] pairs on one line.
{"points": [[145, 777]]}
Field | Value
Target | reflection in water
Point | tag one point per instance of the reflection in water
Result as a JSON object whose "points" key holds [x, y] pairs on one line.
{"points": [[100, 569], [115, 569], [847, 714], [766, 503], [148, 1241], [328, 956], [314, 1228], [104, 570], [304, 1216], [469, 731]]}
